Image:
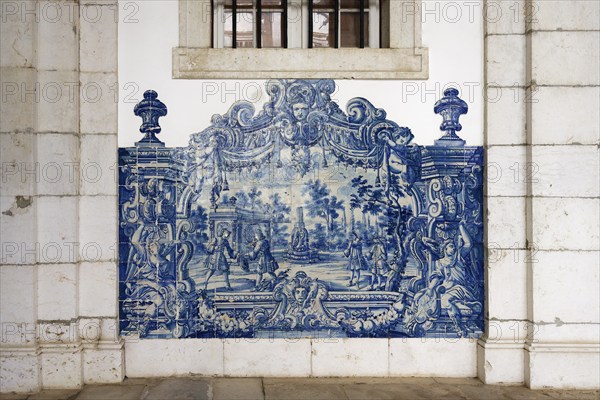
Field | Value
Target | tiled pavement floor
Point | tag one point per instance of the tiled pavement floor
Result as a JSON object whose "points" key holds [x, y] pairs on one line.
{"points": [[303, 388]]}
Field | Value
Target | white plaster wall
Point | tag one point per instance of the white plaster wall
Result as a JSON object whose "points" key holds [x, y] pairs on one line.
{"points": [[301, 358], [452, 33]]}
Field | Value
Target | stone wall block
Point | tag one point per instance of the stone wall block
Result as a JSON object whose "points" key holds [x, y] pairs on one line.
{"points": [[57, 291], [565, 223], [99, 100], [58, 334], [18, 229], [154, 358], [98, 240], [20, 93], [17, 158], [500, 363], [109, 330], [61, 367], [432, 357], [560, 332], [350, 357], [17, 304], [57, 229], [505, 17], [20, 372], [102, 365], [509, 332], [566, 287], [507, 283], [563, 367], [505, 116], [58, 100], [565, 115], [565, 171], [99, 24], [57, 33], [99, 169], [98, 289], [507, 170], [557, 15], [17, 34], [90, 330], [57, 167], [506, 222], [277, 357], [505, 65], [565, 58]]}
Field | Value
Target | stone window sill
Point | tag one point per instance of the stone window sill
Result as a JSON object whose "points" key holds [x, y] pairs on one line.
{"points": [[209, 63]]}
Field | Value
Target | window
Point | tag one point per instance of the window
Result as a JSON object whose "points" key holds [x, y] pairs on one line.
{"points": [[264, 23], [343, 23], [250, 23], [338, 39]]}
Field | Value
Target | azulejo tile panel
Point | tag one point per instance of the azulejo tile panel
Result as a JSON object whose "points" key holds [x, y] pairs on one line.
{"points": [[301, 220]]}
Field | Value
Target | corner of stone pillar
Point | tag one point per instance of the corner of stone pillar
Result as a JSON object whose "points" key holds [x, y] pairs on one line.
{"points": [[562, 365], [84, 351], [103, 351], [20, 369], [500, 362]]}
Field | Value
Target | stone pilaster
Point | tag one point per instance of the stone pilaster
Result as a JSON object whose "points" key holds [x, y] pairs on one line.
{"points": [[563, 68], [500, 350], [542, 195], [58, 260]]}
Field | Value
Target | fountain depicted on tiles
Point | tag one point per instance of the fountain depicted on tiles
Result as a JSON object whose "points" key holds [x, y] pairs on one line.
{"points": [[299, 250]]}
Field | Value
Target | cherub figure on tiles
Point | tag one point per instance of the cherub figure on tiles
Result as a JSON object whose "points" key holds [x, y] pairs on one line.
{"points": [[261, 253], [356, 259], [218, 250], [402, 160]]}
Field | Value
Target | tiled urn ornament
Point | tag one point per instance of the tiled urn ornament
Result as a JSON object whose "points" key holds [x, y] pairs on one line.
{"points": [[301, 220]]}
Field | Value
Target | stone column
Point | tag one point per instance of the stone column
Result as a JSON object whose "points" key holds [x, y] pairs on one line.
{"points": [[542, 194], [500, 350], [59, 198], [19, 355], [562, 349]]}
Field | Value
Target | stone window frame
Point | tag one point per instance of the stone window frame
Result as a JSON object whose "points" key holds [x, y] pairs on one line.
{"points": [[401, 56]]}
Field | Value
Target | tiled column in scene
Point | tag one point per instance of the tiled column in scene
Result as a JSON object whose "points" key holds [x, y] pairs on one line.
{"points": [[563, 267], [500, 350]]}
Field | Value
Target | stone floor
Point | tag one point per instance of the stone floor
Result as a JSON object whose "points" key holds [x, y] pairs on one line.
{"points": [[303, 388]]}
